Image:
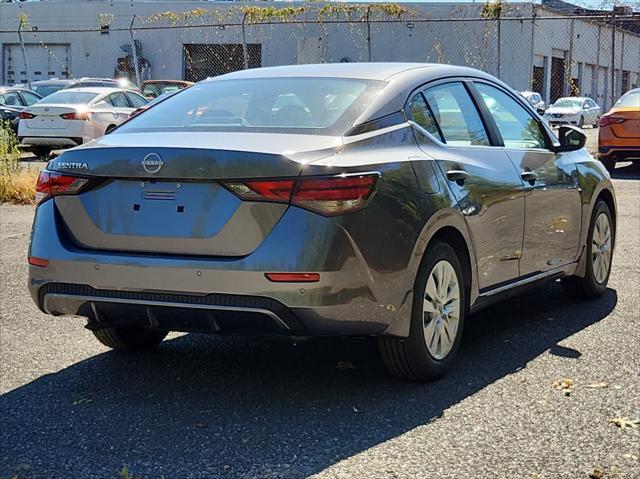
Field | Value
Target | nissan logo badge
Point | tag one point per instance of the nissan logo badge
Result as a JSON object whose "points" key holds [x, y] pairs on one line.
{"points": [[152, 163]]}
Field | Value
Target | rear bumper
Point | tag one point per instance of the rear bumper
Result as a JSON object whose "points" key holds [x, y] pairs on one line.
{"points": [[619, 152], [350, 298], [52, 141]]}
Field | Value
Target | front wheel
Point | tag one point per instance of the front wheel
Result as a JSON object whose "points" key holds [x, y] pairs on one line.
{"points": [[599, 251], [581, 122], [439, 310], [130, 338]]}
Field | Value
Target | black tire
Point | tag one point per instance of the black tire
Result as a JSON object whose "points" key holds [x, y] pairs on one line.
{"points": [[609, 163], [130, 338], [409, 358], [581, 122], [109, 129], [589, 287]]}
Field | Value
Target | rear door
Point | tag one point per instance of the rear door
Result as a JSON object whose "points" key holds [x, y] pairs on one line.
{"points": [[552, 198], [490, 192]]}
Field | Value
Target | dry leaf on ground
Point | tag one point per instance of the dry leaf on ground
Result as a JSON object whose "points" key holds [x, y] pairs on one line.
{"points": [[623, 422]]}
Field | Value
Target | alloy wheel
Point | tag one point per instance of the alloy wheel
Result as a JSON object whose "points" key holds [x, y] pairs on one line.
{"points": [[601, 248], [441, 309]]}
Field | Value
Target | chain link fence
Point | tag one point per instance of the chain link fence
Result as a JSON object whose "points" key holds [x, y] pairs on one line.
{"points": [[531, 47]]}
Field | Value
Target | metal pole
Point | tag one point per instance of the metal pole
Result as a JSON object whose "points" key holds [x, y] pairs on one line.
{"points": [[368, 34], [245, 50], [613, 55], [533, 29], [570, 67], [24, 56], [499, 49], [135, 51]]}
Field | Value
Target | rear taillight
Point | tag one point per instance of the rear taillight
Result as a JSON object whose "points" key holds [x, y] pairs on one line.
{"points": [[51, 184], [23, 115], [328, 196], [610, 120], [76, 115]]}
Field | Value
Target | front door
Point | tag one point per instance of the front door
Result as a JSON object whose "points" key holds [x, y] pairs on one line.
{"points": [[552, 196]]}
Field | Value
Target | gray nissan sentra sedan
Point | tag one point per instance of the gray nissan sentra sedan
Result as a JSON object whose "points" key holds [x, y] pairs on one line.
{"points": [[387, 200]]}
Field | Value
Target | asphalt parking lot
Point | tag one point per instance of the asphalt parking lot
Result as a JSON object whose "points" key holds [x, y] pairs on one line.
{"points": [[206, 407]]}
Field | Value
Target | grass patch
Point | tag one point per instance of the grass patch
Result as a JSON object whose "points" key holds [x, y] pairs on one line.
{"points": [[17, 184]]}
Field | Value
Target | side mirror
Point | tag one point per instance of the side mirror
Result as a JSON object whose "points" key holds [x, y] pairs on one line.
{"points": [[571, 139]]}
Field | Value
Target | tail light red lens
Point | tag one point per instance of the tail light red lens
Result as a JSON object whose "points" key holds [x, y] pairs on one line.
{"points": [[610, 120], [328, 196], [51, 184], [77, 115], [41, 262], [24, 115]]}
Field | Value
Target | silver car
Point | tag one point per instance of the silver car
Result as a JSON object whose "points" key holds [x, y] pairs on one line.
{"points": [[536, 100], [579, 111], [382, 200]]}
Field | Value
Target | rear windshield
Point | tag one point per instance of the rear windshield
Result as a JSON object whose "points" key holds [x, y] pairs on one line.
{"points": [[325, 106], [46, 90], [630, 99], [71, 97]]}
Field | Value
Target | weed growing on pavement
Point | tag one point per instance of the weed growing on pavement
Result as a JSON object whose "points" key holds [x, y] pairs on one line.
{"points": [[17, 185]]}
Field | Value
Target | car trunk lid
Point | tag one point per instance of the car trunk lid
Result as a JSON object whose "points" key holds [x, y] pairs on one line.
{"points": [[170, 199], [630, 127]]}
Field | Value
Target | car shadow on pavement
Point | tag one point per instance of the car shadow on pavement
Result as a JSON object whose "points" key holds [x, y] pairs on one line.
{"points": [[204, 406]]}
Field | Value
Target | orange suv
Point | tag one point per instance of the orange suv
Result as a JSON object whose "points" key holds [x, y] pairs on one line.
{"points": [[619, 134]]}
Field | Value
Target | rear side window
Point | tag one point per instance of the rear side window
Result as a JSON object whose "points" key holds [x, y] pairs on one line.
{"points": [[518, 128], [118, 100], [419, 112], [457, 116], [30, 98], [136, 100]]}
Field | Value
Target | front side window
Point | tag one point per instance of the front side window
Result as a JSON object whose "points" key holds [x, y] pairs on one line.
{"points": [[10, 99], [276, 105], [519, 129], [419, 112], [457, 116]]}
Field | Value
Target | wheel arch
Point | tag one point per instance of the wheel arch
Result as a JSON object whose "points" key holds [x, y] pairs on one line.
{"points": [[449, 226]]}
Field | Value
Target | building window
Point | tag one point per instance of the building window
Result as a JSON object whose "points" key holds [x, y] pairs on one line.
{"points": [[202, 60]]}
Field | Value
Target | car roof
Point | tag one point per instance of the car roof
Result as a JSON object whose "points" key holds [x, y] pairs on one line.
{"points": [[7, 89], [574, 98], [53, 81], [365, 71], [100, 90]]}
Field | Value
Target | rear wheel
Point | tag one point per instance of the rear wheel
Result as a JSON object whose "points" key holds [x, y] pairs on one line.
{"points": [[599, 251], [439, 310], [130, 338]]}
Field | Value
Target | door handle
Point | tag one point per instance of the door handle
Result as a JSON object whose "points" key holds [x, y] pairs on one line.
{"points": [[457, 175], [530, 176]]}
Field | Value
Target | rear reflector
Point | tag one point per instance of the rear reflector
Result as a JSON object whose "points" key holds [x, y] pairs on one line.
{"points": [[43, 263], [610, 120], [23, 115], [51, 184], [293, 277], [328, 196]]}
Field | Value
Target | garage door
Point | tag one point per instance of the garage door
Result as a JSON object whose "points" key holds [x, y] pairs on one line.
{"points": [[45, 61]]}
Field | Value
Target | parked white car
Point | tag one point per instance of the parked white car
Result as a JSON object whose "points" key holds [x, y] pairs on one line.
{"points": [[535, 99], [573, 110], [74, 116]]}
